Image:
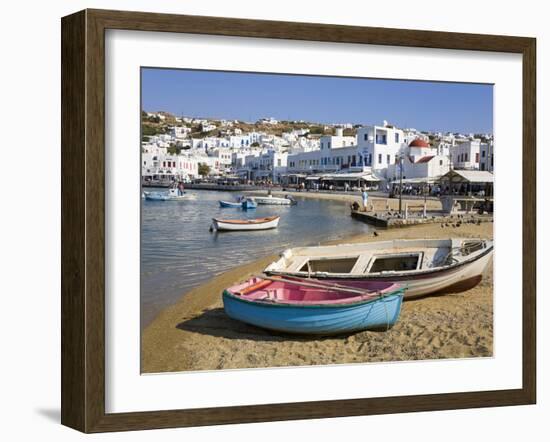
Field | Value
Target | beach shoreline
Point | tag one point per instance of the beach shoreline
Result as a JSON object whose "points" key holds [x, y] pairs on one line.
{"points": [[195, 334]]}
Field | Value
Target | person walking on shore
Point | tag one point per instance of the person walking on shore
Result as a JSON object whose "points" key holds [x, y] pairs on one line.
{"points": [[365, 197]]}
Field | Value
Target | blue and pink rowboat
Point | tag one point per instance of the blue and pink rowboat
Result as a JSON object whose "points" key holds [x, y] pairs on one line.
{"points": [[309, 307]]}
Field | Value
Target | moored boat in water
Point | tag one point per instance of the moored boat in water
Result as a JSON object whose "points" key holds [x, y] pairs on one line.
{"points": [[230, 204], [425, 266], [173, 194], [248, 203], [306, 307], [269, 222], [274, 200]]}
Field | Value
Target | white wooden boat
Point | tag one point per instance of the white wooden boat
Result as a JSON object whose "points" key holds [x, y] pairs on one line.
{"points": [[171, 195], [274, 200], [270, 222], [424, 266]]}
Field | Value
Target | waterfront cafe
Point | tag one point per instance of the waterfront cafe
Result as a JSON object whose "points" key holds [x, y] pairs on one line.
{"points": [[466, 191], [351, 180], [337, 180], [467, 182]]}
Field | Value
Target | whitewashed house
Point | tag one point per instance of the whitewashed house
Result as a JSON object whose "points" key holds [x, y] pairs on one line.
{"points": [[164, 166], [270, 165], [378, 147], [466, 155], [486, 158], [180, 131]]}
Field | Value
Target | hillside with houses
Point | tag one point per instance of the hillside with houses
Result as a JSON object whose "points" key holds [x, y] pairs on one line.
{"points": [[303, 153]]}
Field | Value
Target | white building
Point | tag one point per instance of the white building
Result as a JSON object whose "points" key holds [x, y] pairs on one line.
{"points": [[486, 158], [378, 147], [269, 165], [207, 127], [163, 166], [180, 131], [222, 155], [429, 166], [466, 155]]}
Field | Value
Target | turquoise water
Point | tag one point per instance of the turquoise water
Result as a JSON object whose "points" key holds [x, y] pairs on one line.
{"points": [[178, 252]]}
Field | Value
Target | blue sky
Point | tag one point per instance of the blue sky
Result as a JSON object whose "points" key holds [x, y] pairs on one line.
{"points": [[456, 107]]}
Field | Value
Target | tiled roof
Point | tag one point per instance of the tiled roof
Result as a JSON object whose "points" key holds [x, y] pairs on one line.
{"points": [[419, 143], [425, 159]]}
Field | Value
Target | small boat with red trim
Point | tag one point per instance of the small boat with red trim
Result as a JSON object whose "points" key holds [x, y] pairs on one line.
{"points": [[302, 306], [270, 222]]}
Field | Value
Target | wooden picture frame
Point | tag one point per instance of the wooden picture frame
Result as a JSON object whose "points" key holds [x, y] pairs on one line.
{"points": [[83, 220]]}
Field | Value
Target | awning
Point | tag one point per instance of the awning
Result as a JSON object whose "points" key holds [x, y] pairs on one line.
{"points": [[469, 176], [363, 176], [421, 180]]}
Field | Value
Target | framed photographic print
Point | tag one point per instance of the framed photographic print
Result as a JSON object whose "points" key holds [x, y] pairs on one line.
{"points": [[268, 221]]}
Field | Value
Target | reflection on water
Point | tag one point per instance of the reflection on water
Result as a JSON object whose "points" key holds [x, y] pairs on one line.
{"points": [[178, 252]]}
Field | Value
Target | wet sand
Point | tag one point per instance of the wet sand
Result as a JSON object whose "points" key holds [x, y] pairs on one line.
{"points": [[195, 334]]}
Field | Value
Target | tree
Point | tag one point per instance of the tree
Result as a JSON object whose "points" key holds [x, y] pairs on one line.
{"points": [[255, 144], [174, 150], [204, 169]]}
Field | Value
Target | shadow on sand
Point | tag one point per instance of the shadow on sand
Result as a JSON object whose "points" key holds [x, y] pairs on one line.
{"points": [[214, 322]]}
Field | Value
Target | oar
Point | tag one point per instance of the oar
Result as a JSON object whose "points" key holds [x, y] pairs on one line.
{"points": [[320, 286], [326, 284]]}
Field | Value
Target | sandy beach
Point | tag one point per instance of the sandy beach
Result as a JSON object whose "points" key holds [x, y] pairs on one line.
{"points": [[195, 334]]}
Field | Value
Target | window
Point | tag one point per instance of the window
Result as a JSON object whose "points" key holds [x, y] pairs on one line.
{"points": [[388, 158], [396, 263], [482, 154], [322, 147], [370, 159], [379, 158], [396, 139], [279, 162], [328, 144], [477, 157], [465, 157], [441, 162], [366, 137]]}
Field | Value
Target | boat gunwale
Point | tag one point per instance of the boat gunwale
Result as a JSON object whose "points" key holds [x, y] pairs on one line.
{"points": [[399, 291], [254, 221], [413, 274]]}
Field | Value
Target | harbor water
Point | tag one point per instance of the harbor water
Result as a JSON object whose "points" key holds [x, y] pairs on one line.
{"points": [[178, 252]]}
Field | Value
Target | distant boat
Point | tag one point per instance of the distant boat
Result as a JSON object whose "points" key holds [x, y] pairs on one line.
{"points": [[248, 203], [156, 196], [270, 222], [425, 266], [273, 200], [307, 307], [172, 195], [231, 204]]}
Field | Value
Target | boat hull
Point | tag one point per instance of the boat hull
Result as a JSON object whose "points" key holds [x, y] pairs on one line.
{"points": [[375, 314], [157, 196], [227, 226], [249, 204], [449, 279], [229, 204], [274, 201]]}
